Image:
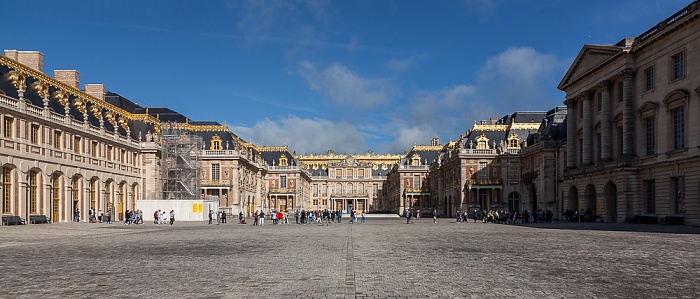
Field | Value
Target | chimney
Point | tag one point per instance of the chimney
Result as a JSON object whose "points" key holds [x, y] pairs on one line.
{"points": [[69, 77], [494, 121], [96, 90], [435, 141], [32, 59]]}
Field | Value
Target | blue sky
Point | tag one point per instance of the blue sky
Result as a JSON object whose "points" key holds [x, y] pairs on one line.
{"points": [[347, 76]]}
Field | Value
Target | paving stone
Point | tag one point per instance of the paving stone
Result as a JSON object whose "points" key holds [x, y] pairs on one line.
{"points": [[384, 258]]}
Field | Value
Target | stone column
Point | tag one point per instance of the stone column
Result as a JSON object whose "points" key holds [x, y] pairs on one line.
{"points": [[587, 128], [570, 134], [628, 113], [605, 131]]}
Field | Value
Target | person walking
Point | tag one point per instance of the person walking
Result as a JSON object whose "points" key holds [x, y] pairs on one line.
{"points": [[172, 217], [434, 216], [262, 218], [408, 216], [211, 215], [109, 217], [362, 215], [223, 216], [255, 217]]}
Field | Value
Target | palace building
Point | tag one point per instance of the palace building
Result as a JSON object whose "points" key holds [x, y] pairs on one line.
{"points": [[633, 125], [626, 147]]}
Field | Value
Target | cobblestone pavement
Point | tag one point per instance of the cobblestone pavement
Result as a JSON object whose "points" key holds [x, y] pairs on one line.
{"points": [[384, 258]]}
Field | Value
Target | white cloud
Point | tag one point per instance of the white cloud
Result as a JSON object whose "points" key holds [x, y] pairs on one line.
{"points": [[345, 87], [406, 137], [523, 66], [398, 65], [304, 135]]}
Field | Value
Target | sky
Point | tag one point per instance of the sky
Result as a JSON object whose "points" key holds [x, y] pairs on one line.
{"points": [[347, 76]]}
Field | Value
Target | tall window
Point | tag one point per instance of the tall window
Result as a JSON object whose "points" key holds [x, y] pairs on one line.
{"points": [[650, 136], [122, 156], [110, 152], [678, 128], [77, 145], [93, 194], [57, 136], [678, 66], [6, 190], [483, 172], [376, 189], [76, 193], [513, 170], [649, 79], [620, 92], [349, 173], [338, 188], [56, 193], [361, 188], [621, 137], [34, 134], [283, 182], [650, 188], [8, 128], [679, 205], [32, 192], [94, 149], [361, 173], [216, 172], [348, 189]]}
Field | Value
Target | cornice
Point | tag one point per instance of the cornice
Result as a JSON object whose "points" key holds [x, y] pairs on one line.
{"points": [[4, 60]]}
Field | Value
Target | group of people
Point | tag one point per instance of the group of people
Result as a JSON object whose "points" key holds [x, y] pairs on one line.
{"points": [[160, 217], [324, 217], [412, 217], [506, 217], [220, 216], [579, 216], [94, 216]]}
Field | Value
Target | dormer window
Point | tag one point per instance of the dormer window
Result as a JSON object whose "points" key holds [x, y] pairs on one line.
{"points": [[482, 142], [215, 143], [283, 160], [513, 141], [415, 159]]}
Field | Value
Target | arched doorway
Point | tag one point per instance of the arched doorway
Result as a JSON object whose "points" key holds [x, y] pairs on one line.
{"points": [[76, 190], [56, 196], [572, 203], [610, 207], [121, 200], [589, 202], [532, 192]]}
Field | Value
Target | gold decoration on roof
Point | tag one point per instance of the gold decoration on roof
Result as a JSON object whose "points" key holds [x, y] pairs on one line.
{"points": [[20, 71], [111, 117], [62, 97], [42, 89], [123, 122], [18, 79], [80, 104]]}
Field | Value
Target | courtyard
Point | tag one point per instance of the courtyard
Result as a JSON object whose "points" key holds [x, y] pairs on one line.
{"points": [[383, 258]]}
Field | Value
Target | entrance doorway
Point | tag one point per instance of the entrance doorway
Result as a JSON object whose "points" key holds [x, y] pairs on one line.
{"points": [[349, 206]]}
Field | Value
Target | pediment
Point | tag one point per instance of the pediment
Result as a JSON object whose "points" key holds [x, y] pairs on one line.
{"points": [[590, 57]]}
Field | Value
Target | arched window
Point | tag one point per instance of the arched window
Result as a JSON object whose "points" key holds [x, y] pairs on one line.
{"points": [[482, 142], [283, 160], [415, 159], [514, 141], [6, 190], [215, 143], [33, 185]]}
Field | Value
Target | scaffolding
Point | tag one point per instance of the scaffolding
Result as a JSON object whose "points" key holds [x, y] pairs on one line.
{"points": [[181, 163]]}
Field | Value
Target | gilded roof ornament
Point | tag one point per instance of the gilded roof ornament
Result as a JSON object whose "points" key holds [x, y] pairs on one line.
{"points": [[62, 97], [42, 89], [18, 80]]}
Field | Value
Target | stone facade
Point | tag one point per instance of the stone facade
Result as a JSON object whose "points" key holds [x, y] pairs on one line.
{"points": [[632, 148]]}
